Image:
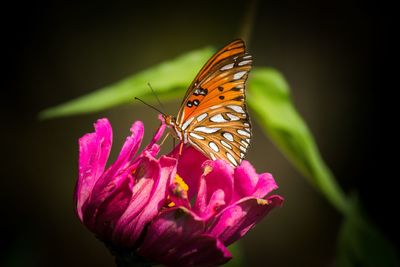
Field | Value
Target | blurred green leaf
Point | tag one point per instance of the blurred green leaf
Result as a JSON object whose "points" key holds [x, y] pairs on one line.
{"points": [[360, 243], [269, 98], [166, 78]]}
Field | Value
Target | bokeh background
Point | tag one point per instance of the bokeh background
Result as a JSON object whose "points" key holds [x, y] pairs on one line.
{"points": [[330, 53]]}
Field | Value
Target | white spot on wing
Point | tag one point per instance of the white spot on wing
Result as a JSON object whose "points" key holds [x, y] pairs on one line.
{"points": [[232, 117], [196, 136], [228, 136], [226, 144], [242, 155], [187, 123], [236, 108], [213, 146], [242, 148], [246, 124], [244, 143], [201, 117], [245, 133], [247, 57], [231, 159], [217, 118], [204, 129], [239, 75], [227, 67], [244, 62], [212, 156], [215, 107]]}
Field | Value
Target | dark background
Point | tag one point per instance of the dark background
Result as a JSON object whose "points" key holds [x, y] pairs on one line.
{"points": [[332, 54]]}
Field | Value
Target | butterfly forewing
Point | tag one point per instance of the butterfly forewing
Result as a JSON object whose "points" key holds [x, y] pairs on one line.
{"points": [[213, 114]]}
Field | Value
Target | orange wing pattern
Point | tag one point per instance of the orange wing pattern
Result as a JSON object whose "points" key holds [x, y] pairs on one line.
{"points": [[213, 115]]}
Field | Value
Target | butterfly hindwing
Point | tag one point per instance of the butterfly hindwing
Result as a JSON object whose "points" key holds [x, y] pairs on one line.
{"points": [[221, 133]]}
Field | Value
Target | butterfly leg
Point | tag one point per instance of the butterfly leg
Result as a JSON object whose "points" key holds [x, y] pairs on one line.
{"points": [[165, 138], [180, 149]]}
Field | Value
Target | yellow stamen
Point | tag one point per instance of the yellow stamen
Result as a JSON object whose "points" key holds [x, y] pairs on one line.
{"points": [[181, 189], [262, 202], [178, 180]]}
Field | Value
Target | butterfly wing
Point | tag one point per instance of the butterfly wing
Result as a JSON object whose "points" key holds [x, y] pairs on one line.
{"points": [[213, 114]]}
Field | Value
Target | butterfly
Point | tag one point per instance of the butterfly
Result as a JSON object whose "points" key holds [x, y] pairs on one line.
{"points": [[213, 117]]}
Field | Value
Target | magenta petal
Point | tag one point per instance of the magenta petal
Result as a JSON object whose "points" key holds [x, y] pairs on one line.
{"points": [[111, 209], [147, 200], [204, 250], [175, 238], [205, 207], [114, 176], [125, 157], [216, 187], [94, 149], [266, 184], [152, 147], [169, 229], [249, 183], [236, 220], [190, 167]]}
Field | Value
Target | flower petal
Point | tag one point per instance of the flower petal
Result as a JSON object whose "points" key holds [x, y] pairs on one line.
{"points": [[111, 209], [204, 250], [249, 183], [149, 196], [216, 188], [152, 146], [114, 176], [176, 238], [190, 167], [94, 149], [236, 220]]}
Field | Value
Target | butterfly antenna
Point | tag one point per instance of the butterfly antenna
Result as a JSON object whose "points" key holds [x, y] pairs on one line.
{"points": [[150, 105], [154, 93]]}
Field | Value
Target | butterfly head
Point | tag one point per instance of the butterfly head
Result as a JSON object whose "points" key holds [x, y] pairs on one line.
{"points": [[169, 120]]}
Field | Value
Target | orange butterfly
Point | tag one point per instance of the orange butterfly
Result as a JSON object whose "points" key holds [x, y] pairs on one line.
{"points": [[213, 117]]}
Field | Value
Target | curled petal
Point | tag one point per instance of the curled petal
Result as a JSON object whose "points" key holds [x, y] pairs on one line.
{"points": [[129, 149], [204, 250], [176, 238], [94, 149], [216, 187], [114, 177], [190, 167], [249, 183], [111, 209], [236, 220], [152, 147], [147, 200]]}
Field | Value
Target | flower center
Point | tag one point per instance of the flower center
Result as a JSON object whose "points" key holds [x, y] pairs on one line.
{"points": [[180, 189]]}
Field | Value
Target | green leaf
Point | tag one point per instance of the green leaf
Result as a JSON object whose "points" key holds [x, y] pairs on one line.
{"points": [[360, 243], [269, 98], [167, 78]]}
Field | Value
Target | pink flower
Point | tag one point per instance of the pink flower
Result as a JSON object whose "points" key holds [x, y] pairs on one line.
{"points": [[176, 210]]}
